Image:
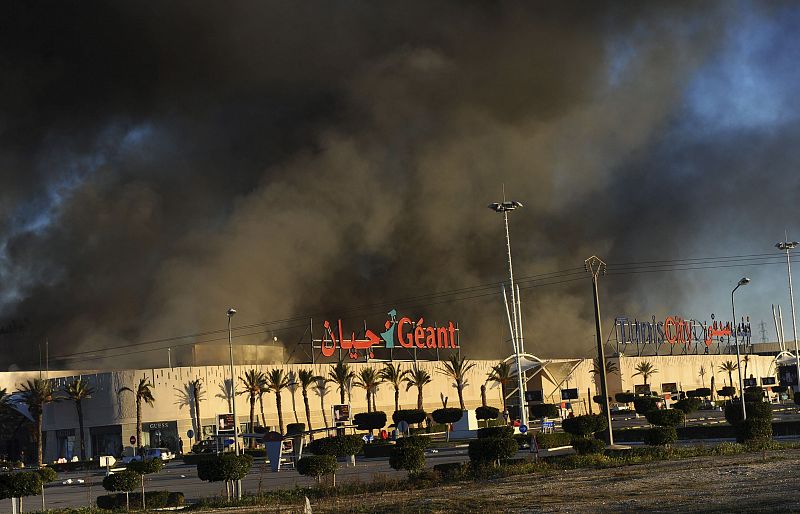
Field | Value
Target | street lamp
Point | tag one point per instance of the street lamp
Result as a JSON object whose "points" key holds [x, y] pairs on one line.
{"points": [[595, 266], [231, 312], [505, 207], [743, 282], [787, 246]]}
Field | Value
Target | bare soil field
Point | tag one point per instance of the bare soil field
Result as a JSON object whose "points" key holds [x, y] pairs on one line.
{"points": [[756, 482]]}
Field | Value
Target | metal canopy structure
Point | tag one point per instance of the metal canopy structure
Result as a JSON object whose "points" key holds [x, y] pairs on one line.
{"points": [[555, 371]]}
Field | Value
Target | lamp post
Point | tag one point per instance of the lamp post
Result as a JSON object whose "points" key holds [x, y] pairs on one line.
{"points": [[743, 282], [231, 312], [787, 246], [505, 207], [595, 266]]}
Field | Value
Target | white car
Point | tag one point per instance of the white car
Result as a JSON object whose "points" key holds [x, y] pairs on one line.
{"points": [[151, 453]]}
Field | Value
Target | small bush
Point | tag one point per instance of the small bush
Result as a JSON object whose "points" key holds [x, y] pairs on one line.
{"points": [[338, 446], [553, 440], [491, 449], [410, 416], [47, 474], [588, 445], [317, 466], [154, 499], [18, 485], [754, 430], [121, 481], [754, 394], [193, 458], [451, 470], [700, 392], [416, 441], [410, 458], [146, 467], [625, 397], [584, 426], [644, 404], [545, 410], [660, 435], [727, 391], [370, 420], [666, 418], [733, 411], [688, 405], [447, 415], [76, 466], [227, 466], [487, 412], [491, 432], [296, 428]]}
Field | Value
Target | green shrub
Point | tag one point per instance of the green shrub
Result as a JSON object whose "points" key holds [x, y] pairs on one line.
{"points": [[491, 449], [588, 445], [754, 430], [338, 446], [753, 394], [296, 428], [146, 467], [227, 466], [625, 397], [660, 435], [370, 420], [255, 452], [433, 429], [410, 416], [687, 405], [410, 458], [644, 404], [545, 410], [779, 389], [18, 485], [666, 417], [727, 391], [193, 458], [490, 432], [76, 466], [154, 500], [553, 440], [701, 392], [447, 415], [584, 426], [733, 411], [487, 412], [47, 474], [417, 441], [452, 470], [121, 481], [317, 466], [378, 449]]}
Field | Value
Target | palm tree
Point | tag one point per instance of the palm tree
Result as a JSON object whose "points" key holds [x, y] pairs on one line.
{"points": [[196, 392], [418, 378], [143, 394], [253, 383], [35, 394], [394, 374], [702, 375], [729, 367], [341, 375], [277, 380], [611, 367], [457, 368], [746, 360], [483, 394], [77, 391], [306, 378], [293, 385], [322, 389], [646, 370], [501, 374], [369, 379]]}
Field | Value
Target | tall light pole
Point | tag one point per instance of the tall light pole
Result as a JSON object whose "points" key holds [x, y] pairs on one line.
{"points": [[231, 312], [596, 266], [787, 247], [743, 282], [505, 207]]}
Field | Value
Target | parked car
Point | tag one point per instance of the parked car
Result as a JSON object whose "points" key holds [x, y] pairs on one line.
{"points": [[205, 446], [151, 453]]}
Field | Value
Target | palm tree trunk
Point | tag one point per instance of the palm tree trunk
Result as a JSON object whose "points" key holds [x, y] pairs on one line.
{"points": [[138, 425], [199, 433], [503, 394], [483, 395], [730, 378], [39, 439], [324, 414], [374, 402], [294, 408], [419, 397], [396, 398], [79, 407], [252, 418], [261, 407], [369, 404], [341, 392], [308, 410], [280, 410], [461, 397]]}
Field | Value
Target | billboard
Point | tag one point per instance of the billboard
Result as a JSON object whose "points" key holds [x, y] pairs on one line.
{"points": [[341, 413], [225, 422], [534, 396], [569, 394]]}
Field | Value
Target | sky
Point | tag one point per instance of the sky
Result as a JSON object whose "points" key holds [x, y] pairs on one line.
{"points": [[159, 164]]}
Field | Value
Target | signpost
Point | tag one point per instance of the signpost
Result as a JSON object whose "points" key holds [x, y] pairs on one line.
{"points": [[523, 429], [225, 422], [133, 440]]}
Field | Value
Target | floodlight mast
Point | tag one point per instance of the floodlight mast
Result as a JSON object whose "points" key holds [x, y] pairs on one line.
{"points": [[787, 246], [504, 207], [742, 282]]}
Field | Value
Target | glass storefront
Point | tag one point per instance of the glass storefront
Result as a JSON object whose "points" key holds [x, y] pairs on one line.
{"points": [[66, 444], [106, 440], [161, 434]]}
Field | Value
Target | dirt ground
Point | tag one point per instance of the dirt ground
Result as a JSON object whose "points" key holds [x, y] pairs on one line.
{"points": [[744, 483]]}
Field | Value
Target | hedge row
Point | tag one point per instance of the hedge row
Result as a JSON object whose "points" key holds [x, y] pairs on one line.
{"points": [[19, 484], [487, 412], [489, 432], [338, 446], [492, 449], [553, 440], [370, 420], [587, 445], [154, 500], [584, 426]]}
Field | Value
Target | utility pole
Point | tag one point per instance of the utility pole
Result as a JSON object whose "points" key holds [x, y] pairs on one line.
{"points": [[595, 266], [763, 327], [788, 246], [231, 312]]}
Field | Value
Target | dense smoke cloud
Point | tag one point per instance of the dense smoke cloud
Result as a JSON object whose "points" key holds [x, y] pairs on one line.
{"points": [[160, 163]]}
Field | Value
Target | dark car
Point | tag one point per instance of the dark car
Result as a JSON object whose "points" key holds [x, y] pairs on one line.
{"points": [[205, 446]]}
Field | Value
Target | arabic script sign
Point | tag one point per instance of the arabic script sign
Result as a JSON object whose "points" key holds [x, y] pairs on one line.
{"points": [[677, 330]]}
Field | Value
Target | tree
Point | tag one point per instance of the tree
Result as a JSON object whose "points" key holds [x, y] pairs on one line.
{"points": [[341, 375], [143, 394], [369, 379], [277, 381], [35, 394], [611, 367], [306, 378], [457, 368], [746, 360], [253, 383], [501, 374], [394, 374], [145, 467], [729, 367], [46, 475], [702, 374], [226, 467], [418, 378], [122, 481], [196, 391], [322, 389], [646, 370], [77, 391]]}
